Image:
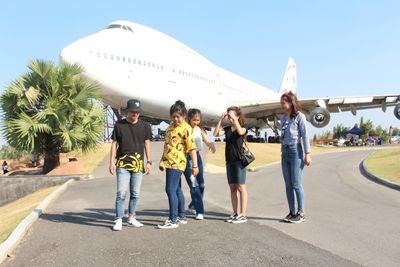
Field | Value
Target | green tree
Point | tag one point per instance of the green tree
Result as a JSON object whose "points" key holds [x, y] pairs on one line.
{"points": [[339, 130], [368, 127], [8, 152], [315, 138], [325, 135], [395, 131], [51, 109]]}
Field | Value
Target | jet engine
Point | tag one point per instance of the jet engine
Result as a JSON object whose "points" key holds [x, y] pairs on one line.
{"points": [[319, 117], [397, 111]]}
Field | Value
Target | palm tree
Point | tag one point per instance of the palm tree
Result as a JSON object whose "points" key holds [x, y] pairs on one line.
{"points": [[51, 109]]}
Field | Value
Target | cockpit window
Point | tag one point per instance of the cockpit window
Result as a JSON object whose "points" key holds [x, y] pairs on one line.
{"points": [[119, 26], [114, 26]]}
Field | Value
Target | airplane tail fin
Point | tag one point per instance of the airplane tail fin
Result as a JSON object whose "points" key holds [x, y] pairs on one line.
{"points": [[289, 81]]}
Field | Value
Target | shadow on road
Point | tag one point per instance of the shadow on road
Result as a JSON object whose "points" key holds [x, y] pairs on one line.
{"points": [[105, 217]]}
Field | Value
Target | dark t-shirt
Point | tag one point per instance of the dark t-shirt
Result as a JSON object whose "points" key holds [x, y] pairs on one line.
{"points": [[130, 138], [234, 143]]}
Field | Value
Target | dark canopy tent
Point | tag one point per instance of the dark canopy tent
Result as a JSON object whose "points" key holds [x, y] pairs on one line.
{"points": [[356, 130]]}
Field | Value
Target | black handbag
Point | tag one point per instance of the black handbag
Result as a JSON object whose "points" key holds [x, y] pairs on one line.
{"points": [[246, 157]]}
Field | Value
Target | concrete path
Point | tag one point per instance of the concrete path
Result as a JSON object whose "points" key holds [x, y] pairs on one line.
{"points": [[351, 221]]}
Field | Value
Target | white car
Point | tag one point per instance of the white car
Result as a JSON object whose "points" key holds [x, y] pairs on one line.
{"points": [[339, 142]]}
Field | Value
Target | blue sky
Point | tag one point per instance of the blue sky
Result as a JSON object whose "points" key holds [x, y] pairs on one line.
{"points": [[340, 47]]}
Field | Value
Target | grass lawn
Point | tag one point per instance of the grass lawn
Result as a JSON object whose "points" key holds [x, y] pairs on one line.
{"points": [[385, 163], [13, 213], [91, 159], [264, 153]]}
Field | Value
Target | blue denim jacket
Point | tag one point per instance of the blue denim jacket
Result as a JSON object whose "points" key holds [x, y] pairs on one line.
{"points": [[293, 130]]}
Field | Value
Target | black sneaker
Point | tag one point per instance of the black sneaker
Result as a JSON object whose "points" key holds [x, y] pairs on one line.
{"points": [[240, 219], [288, 217], [299, 218], [232, 217], [168, 224]]}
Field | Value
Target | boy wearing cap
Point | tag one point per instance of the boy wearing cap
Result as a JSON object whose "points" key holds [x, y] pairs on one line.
{"points": [[131, 139]]}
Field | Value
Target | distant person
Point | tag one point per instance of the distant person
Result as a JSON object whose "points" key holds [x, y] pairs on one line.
{"points": [[236, 172], [5, 167], [294, 130], [131, 137], [178, 142], [196, 184], [35, 160]]}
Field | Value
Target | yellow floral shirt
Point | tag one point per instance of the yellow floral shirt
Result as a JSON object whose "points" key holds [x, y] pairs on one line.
{"points": [[179, 141]]}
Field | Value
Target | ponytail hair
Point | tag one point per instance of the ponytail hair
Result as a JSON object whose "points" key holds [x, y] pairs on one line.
{"points": [[179, 107], [193, 112], [238, 113], [292, 100]]}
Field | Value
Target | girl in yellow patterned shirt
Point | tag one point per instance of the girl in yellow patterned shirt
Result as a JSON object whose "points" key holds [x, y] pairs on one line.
{"points": [[178, 142]]}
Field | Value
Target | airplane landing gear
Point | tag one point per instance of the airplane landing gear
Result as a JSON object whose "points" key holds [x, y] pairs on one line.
{"points": [[273, 124]]}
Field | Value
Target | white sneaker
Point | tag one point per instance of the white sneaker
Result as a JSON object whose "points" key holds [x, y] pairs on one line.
{"points": [[117, 225], [200, 217], [135, 223]]}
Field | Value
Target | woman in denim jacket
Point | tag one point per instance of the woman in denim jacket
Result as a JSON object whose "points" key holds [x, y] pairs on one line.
{"points": [[294, 155]]}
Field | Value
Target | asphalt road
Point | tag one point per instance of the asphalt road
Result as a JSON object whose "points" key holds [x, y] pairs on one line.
{"points": [[351, 221]]}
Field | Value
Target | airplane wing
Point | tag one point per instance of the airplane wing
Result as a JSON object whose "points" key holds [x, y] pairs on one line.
{"points": [[318, 110]]}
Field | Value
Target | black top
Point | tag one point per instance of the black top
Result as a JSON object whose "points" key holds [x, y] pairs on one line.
{"points": [[131, 137], [234, 144]]}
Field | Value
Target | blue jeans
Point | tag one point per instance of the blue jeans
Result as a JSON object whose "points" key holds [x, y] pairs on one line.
{"points": [[176, 199], [197, 186], [127, 179], [292, 169]]}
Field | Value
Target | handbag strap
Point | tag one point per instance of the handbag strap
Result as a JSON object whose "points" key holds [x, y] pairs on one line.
{"points": [[245, 143]]}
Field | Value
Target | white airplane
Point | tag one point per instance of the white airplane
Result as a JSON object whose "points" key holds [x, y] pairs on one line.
{"points": [[129, 60]]}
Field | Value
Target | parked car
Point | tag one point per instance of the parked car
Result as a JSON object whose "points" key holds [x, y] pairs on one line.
{"points": [[339, 142]]}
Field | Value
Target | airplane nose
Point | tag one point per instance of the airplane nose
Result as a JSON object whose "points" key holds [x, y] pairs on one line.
{"points": [[70, 54], [65, 55]]}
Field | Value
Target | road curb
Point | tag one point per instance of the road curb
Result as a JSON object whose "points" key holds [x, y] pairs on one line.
{"points": [[19, 232], [377, 179]]}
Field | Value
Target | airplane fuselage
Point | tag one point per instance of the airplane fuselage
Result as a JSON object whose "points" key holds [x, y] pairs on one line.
{"points": [[129, 60]]}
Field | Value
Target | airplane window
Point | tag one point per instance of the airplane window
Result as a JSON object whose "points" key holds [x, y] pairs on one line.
{"points": [[111, 57], [148, 64], [98, 54], [129, 28], [117, 57], [162, 67], [105, 56], [154, 65], [114, 26], [123, 59], [129, 59], [134, 61], [139, 62], [144, 63]]}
